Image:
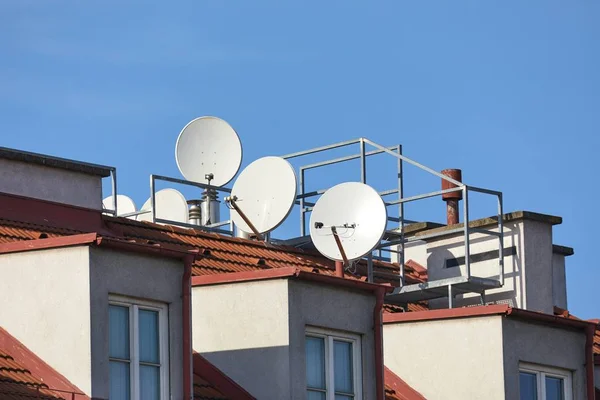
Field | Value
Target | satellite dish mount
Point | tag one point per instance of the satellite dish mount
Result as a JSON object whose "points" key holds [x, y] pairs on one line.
{"points": [[232, 203], [338, 242]]}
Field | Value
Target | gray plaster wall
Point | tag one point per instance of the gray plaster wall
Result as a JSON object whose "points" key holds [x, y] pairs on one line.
{"points": [[450, 359], [243, 329], [137, 276], [53, 184], [537, 266], [559, 281], [45, 304], [545, 345], [338, 309]]}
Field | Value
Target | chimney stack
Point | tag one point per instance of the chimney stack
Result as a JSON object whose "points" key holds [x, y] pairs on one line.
{"points": [[451, 198]]}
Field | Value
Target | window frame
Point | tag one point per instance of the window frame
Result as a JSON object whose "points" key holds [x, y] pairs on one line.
{"points": [[541, 372], [134, 305], [329, 336]]}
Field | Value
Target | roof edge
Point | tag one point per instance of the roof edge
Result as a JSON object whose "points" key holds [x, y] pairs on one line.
{"points": [[450, 313], [405, 391], [422, 229], [36, 365], [88, 239], [208, 371], [48, 243], [55, 162], [489, 310], [562, 250], [286, 273]]}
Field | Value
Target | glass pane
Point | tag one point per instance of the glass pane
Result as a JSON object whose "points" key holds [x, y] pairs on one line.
{"points": [[555, 389], [118, 326], [528, 386], [315, 363], [340, 397], [311, 395], [342, 366], [149, 382], [119, 381], [148, 332]]}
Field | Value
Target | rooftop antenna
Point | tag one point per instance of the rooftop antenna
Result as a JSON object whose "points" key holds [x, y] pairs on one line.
{"points": [[125, 206], [263, 195], [348, 222], [208, 151], [170, 205]]}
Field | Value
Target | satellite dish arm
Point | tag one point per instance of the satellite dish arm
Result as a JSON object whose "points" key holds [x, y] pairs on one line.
{"points": [[339, 245], [232, 201]]}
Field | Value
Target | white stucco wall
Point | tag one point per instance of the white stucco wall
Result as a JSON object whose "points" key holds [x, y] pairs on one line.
{"points": [[53, 184], [140, 276], [545, 345], [243, 329], [46, 305], [448, 359]]}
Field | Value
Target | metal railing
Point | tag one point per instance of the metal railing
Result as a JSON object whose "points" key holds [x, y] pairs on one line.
{"points": [[396, 151]]}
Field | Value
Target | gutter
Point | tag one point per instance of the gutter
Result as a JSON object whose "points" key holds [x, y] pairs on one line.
{"points": [[186, 298], [378, 328]]}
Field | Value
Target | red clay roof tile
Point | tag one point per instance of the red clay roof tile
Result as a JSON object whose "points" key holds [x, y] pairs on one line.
{"points": [[24, 376]]}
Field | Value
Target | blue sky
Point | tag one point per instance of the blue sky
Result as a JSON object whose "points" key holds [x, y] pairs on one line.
{"points": [[507, 91]]}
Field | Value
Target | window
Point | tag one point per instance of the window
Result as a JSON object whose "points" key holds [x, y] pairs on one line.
{"points": [[333, 365], [544, 383], [138, 350]]}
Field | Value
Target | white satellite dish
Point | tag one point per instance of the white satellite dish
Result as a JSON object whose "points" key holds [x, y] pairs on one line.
{"points": [[124, 204], [208, 150], [355, 213], [170, 205], [265, 193]]}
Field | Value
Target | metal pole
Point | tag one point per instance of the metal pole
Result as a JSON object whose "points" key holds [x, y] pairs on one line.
{"points": [[401, 213], [363, 162], [302, 211], [450, 297], [466, 230], [152, 198], [501, 239], [339, 245], [232, 201], [370, 267]]}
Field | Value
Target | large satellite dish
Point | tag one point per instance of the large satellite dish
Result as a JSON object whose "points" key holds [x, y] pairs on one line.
{"points": [[348, 221], [263, 195], [208, 150], [124, 204], [170, 205]]}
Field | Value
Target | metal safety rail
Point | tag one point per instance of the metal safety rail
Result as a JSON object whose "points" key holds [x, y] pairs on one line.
{"points": [[216, 227], [407, 293]]}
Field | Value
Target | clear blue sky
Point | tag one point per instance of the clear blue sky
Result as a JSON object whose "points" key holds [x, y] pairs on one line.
{"points": [[507, 91]]}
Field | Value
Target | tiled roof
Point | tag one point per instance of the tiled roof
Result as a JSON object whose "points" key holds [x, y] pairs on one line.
{"points": [[24, 376], [30, 219], [210, 383], [397, 389]]}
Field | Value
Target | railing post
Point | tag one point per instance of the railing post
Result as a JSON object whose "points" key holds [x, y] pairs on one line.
{"points": [[466, 230], [152, 198], [363, 162], [501, 240], [302, 211]]}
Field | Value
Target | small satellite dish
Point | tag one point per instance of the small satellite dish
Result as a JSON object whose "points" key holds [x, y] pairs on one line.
{"points": [[348, 221], [208, 150], [124, 204], [265, 193], [170, 205]]}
